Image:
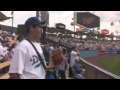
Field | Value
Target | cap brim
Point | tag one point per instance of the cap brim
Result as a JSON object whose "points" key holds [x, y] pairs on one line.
{"points": [[42, 22]]}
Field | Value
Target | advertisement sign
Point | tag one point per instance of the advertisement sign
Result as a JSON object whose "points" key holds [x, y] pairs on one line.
{"points": [[91, 31], [102, 53], [96, 32], [118, 51], [87, 19], [86, 30], [111, 52], [105, 31], [79, 29]]}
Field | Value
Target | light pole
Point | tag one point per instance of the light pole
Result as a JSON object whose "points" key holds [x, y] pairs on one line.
{"points": [[74, 21], [37, 14], [12, 13], [94, 28]]}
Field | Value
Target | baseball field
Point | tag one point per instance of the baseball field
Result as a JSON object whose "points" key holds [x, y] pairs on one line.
{"points": [[112, 64], [109, 63]]}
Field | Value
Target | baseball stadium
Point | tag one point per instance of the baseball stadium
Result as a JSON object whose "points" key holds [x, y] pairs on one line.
{"points": [[99, 50]]}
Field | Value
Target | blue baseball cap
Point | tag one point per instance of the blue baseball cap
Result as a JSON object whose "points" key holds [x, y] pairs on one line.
{"points": [[33, 21]]}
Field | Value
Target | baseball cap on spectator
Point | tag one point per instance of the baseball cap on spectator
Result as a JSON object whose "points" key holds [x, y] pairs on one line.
{"points": [[32, 21]]}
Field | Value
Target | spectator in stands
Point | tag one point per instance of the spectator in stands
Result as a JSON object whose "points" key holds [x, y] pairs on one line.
{"points": [[7, 42], [62, 67], [51, 48], [78, 71], [11, 50], [73, 56], [56, 58], [25, 62], [46, 51], [3, 52], [88, 43], [13, 35], [4, 55]]}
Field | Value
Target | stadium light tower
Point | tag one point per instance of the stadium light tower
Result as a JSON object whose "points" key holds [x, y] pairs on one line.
{"points": [[12, 13], [43, 16], [38, 14], [74, 21]]}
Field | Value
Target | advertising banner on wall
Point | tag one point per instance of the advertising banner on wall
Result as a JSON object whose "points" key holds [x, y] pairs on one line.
{"points": [[111, 52], [79, 30], [102, 53], [118, 51], [91, 31], [105, 31], [96, 32], [86, 30]]}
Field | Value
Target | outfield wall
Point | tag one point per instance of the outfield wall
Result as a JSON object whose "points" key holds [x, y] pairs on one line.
{"points": [[87, 54], [95, 72]]}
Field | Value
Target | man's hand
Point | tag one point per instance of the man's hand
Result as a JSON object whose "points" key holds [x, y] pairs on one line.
{"points": [[52, 67]]}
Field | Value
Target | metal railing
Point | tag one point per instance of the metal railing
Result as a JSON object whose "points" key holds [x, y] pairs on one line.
{"points": [[94, 72]]}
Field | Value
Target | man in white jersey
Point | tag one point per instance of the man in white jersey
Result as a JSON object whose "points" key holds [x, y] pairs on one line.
{"points": [[25, 62], [73, 56]]}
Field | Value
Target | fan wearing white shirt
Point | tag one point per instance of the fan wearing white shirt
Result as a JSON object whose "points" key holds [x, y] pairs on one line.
{"points": [[73, 56], [25, 62], [4, 55], [3, 52]]}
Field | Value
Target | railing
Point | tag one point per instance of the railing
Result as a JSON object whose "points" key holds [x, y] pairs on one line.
{"points": [[3, 65], [94, 72]]}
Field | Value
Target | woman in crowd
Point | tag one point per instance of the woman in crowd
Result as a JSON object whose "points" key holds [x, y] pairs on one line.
{"points": [[56, 58], [62, 67]]}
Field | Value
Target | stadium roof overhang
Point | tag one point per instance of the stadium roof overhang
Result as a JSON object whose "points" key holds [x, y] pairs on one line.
{"points": [[55, 30], [3, 17]]}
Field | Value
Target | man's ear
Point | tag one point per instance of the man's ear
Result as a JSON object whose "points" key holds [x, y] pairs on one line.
{"points": [[31, 28]]}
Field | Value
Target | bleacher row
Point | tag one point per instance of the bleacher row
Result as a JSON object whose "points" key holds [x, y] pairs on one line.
{"points": [[5, 75], [3, 65]]}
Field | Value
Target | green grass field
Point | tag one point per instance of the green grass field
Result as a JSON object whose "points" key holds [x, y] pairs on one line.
{"points": [[112, 64]]}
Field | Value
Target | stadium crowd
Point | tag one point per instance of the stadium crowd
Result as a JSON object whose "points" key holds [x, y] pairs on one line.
{"points": [[5, 45], [69, 61], [9, 43], [88, 44]]}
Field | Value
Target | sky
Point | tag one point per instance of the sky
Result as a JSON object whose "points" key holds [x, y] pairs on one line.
{"points": [[65, 17]]}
